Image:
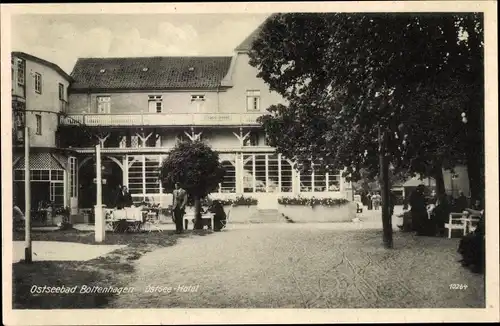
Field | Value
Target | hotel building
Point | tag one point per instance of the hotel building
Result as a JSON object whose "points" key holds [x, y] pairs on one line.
{"points": [[137, 108]]}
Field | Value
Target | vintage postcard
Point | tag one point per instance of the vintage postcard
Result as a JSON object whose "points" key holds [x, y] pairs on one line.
{"points": [[178, 163]]}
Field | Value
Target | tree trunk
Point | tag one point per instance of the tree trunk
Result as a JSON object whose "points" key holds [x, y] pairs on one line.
{"points": [[475, 170], [438, 176], [198, 224], [385, 187]]}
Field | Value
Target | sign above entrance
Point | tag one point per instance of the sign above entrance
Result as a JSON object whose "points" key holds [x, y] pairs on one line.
{"points": [[103, 181]]}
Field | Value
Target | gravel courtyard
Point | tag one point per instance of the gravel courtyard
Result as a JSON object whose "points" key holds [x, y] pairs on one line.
{"points": [[303, 266]]}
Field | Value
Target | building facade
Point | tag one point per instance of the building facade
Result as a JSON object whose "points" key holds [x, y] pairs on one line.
{"points": [[39, 95], [137, 109]]}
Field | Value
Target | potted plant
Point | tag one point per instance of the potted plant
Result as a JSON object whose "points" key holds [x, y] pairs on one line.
{"points": [[305, 209], [64, 214]]}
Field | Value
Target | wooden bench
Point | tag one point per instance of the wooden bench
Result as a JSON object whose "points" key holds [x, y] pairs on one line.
{"points": [[464, 220]]}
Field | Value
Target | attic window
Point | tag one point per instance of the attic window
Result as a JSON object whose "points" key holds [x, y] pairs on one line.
{"points": [[191, 68], [145, 69], [102, 71], [197, 98]]}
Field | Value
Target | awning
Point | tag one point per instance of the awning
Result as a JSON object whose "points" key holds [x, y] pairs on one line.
{"points": [[41, 161]]}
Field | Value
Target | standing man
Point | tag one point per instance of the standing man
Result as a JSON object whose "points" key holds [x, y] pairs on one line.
{"points": [[179, 206], [124, 199]]}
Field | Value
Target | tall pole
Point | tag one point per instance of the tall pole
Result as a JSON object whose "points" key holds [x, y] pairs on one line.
{"points": [[385, 187], [27, 197], [100, 229]]}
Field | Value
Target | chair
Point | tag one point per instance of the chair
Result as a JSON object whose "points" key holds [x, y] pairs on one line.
{"points": [[225, 223], [152, 221], [110, 220], [462, 225]]}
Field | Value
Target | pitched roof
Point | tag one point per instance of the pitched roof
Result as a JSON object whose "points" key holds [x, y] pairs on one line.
{"points": [[149, 73], [246, 45], [41, 61]]}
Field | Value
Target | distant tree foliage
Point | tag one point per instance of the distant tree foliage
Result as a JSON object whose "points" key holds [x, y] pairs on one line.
{"points": [[343, 75]]}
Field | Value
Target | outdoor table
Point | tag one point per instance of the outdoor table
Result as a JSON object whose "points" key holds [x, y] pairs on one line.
{"points": [[132, 216], [190, 216]]}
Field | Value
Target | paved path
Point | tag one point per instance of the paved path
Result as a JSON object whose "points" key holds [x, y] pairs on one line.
{"points": [[327, 265], [61, 251]]}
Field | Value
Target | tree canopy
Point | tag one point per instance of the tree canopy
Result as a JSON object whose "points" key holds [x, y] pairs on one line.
{"points": [[195, 166], [343, 75]]}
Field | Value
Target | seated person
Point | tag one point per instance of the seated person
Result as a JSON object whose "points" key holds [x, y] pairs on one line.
{"points": [[219, 215], [472, 246], [439, 215]]}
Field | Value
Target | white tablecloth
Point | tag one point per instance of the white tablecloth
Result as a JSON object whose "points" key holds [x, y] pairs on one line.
{"points": [[128, 213]]}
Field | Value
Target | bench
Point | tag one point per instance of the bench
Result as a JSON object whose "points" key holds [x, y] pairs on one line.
{"points": [[190, 216], [464, 220]]}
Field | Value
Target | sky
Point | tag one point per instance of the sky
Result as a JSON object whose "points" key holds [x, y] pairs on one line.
{"points": [[63, 38]]}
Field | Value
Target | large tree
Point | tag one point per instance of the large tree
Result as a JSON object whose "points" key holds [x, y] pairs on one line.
{"points": [[347, 76], [197, 168]]}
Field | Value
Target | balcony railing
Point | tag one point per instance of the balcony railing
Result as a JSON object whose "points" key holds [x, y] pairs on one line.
{"points": [[162, 119]]}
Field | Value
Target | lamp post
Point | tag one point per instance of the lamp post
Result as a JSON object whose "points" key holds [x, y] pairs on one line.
{"points": [[100, 229], [27, 197]]}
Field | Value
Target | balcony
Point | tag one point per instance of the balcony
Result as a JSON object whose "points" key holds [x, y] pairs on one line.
{"points": [[162, 119]]}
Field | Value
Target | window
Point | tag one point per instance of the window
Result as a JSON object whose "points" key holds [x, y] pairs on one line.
{"points": [[197, 98], [103, 104], [57, 193], [73, 185], [20, 72], [253, 100], [61, 91], [155, 104], [38, 124], [38, 83]]}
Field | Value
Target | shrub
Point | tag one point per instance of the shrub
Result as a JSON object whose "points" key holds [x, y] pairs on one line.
{"points": [[65, 212], [240, 201], [302, 201], [197, 168]]}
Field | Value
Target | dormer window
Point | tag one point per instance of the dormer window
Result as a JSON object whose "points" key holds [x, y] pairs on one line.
{"points": [[197, 98], [155, 103]]}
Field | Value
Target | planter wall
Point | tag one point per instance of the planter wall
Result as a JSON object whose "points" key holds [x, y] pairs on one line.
{"points": [[304, 214], [240, 214]]}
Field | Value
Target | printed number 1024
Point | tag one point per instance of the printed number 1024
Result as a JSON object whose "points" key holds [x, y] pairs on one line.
{"points": [[458, 286]]}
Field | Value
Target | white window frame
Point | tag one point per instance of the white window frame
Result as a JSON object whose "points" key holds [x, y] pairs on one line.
{"points": [[73, 183], [253, 100], [158, 103], [21, 71], [61, 91], [103, 101], [197, 97], [38, 121], [38, 82]]}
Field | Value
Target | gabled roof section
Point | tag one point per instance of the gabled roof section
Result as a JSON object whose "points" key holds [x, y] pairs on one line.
{"points": [[246, 45], [41, 61], [149, 73]]}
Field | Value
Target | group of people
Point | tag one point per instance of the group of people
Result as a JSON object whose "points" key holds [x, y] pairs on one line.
{"points": [[373, 200], [179, 202], [428, 216]]}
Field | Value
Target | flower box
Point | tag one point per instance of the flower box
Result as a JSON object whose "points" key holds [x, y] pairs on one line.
{"points": [[240, 209], [240, 214], [305, 210]]}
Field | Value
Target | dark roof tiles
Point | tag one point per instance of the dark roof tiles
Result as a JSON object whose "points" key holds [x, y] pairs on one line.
{"points": [[161, 73]]}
